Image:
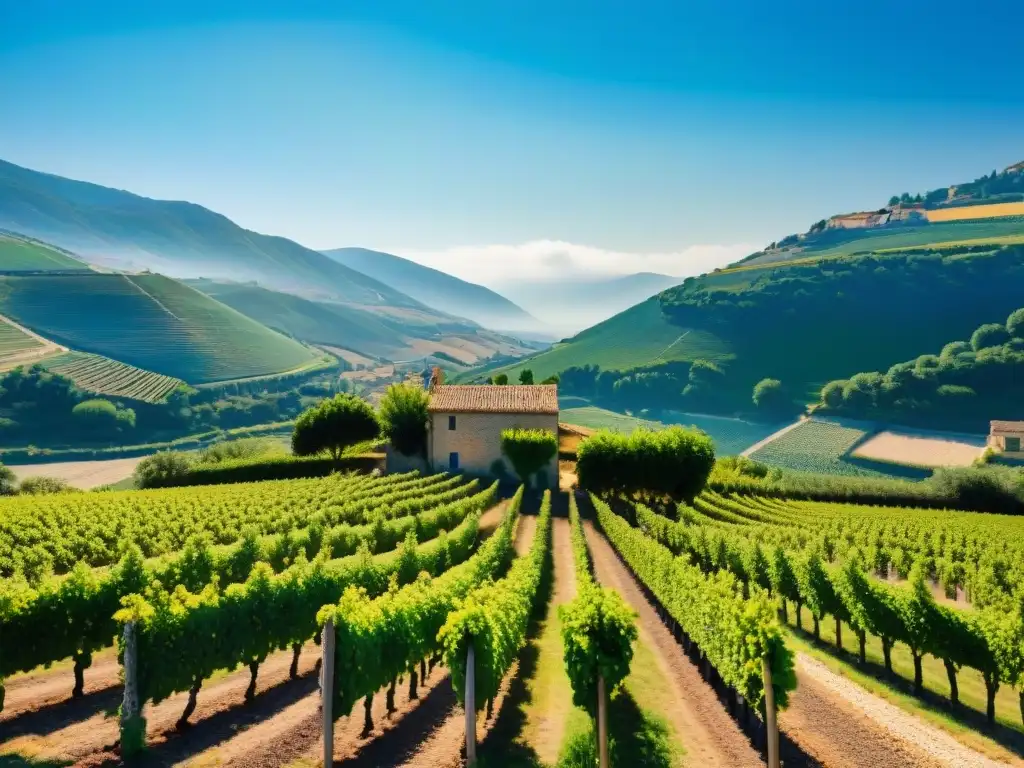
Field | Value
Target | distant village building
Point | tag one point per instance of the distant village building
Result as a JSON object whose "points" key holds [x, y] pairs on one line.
{"points": [[1015, 168], [466, 422], [1007, 437]]}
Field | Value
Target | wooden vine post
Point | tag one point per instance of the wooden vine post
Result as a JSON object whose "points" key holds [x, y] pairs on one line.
{"points": [[602, 723], [770, 720], [327, 690], [130, 709], [470, 706]]}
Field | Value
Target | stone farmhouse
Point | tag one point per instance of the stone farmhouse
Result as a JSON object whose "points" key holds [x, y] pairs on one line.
{"points": [[466, 422], [1007, 437]]}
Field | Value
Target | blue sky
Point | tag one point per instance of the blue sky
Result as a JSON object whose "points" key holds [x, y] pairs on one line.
{"points": [[543, 136]]}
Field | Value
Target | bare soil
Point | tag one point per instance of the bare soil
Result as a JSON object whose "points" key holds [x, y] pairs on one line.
{"points": [[81, 474], [921, 450], [711, 737]]}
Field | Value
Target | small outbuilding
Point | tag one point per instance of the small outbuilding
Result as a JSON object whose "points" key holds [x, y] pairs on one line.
{"points": [[466, 422], [1007, 437]]}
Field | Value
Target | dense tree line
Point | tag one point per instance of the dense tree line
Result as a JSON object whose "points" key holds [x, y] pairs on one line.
{"points": [[46, 409], [965, 385]]}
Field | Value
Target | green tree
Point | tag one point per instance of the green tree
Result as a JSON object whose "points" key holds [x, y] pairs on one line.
{"points": [[894, 200], [526, 376], [528, 450], [8, 481], [102, 417], [333, 425], [989, 335], [552, 379], [832, 393], [1015, 324], [403, 418], [501, 378], [771, 397]]}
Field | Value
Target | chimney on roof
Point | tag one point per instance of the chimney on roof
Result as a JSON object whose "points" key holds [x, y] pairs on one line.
{"points": [[436, 377]]}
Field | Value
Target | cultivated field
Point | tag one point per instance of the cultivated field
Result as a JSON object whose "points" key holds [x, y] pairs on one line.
{"points": [[151, 322], [921, 449], [823, 447], [992, 211], [93, 373]]}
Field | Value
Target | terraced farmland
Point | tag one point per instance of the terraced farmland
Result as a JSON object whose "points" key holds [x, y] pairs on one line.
{"points": [[13, 340], [822, 447], [150, 322], [94, 373]]}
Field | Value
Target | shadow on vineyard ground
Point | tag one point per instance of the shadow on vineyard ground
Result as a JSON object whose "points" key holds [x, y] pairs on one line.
{"points": [[54, 717], [401, 742], [1003, 735], [223, 725]]}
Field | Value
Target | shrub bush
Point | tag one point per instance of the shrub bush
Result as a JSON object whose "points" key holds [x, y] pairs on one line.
{"points": [[36, 486], [528, 450], [673, 462], [163, 469]]}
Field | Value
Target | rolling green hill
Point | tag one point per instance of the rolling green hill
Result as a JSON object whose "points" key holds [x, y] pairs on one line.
{"points": [[120, 230], [804, 324], [315, 322], [393, 335], [438, 289], [640, 336], [151, 322], [19, 253]]}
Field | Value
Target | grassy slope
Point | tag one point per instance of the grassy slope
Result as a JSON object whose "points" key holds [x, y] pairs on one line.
{"points": [[639, 336], [23, 254], [151, 322], [731, 436], [317, 322], [122, 230]]}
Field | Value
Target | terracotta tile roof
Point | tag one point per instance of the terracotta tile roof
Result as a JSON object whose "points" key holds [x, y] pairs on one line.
{"points": [[1008, 426], [495, 398]]}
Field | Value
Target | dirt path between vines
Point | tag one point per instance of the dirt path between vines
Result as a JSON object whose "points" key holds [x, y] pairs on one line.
{"points": [[545, 723], [900, 738], [710, 736]]}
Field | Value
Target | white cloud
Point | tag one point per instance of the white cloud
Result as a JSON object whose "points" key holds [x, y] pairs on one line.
{"points": [[555, 259]]}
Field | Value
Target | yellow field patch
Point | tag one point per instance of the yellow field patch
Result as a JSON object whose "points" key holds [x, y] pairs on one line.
{"points": [[976, 212], [922, 449]]}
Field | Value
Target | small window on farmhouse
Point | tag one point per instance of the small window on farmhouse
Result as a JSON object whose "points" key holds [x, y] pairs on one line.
{"points": [[1013, 444], [451, 423]]}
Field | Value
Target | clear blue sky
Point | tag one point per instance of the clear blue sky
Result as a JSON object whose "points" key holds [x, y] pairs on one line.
{"points": [[629, 127]]}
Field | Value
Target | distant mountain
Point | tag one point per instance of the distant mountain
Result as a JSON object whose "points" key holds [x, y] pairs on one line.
{"points": [[390, 336], [438, 289], [571, 305], [120, 230]]}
